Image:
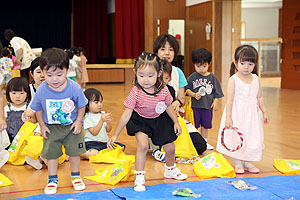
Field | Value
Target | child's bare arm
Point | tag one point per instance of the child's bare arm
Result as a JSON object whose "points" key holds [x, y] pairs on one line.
{"points": [[262, 106], [107, 117], [77, 124], [192, 94], [122, 122], [173, 116], [44, 128], [3, 124], [229, 102]]}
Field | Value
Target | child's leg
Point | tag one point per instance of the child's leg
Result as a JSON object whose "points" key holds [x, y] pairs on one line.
{"points": [[204, 133], [171, 171], [51, 187], [89, 153], [140, 159], [238, 166], [77, 182]]}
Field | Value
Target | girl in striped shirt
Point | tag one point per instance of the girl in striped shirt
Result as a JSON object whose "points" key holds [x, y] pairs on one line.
{"points": [[144, 118]]}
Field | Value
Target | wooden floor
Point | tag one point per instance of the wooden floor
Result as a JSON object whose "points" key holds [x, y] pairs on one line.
{"points": [[282, 140]]}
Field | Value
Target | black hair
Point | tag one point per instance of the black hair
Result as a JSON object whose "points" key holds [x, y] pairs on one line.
{"points": [[9, 34], [92, 94], [201, 55], [5, 52], [244, 53], [166, 66], [161, 40], [18, 84], [34, 64], [70, 54], [149, 59], [75, 50], [80, 49], [54, 57]]}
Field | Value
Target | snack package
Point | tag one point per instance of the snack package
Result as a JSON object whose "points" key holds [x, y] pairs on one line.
{"points": [[185, 192], [242, 185]]}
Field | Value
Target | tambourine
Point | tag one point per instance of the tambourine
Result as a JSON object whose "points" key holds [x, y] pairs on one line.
{"points": [[241, 139]]}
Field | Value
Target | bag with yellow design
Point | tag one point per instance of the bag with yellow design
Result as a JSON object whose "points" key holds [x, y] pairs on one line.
{"points": [[287, 166], [4, 181], [111, 155], [188, 111], [213, 165], [184, 147], [120, 171], [18, 144]]}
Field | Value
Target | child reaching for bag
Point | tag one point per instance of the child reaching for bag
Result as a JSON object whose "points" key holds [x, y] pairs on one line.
{"points": [[242, 111], [144, 118], [96, 124]]}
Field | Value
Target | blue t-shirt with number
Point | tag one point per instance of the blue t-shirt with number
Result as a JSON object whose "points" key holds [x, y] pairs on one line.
{"points": [[59, 107]]}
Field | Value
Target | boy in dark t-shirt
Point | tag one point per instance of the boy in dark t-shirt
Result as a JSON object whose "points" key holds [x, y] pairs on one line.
{"points": [[204, 89]]}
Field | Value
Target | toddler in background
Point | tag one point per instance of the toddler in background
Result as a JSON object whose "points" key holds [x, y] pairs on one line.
{"points": [[6, 64]]}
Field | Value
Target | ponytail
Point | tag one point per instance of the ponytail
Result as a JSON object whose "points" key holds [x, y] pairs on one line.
{"points": [[232, 69]]}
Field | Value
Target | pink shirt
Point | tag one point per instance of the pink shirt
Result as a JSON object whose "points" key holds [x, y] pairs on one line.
{"points": [[148, 106]]}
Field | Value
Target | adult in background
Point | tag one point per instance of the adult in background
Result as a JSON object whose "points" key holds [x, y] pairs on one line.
{"points": [[23, 52]]}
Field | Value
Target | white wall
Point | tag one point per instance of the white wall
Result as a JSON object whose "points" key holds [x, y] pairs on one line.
{"points": [[177, 27], [261, 22]]}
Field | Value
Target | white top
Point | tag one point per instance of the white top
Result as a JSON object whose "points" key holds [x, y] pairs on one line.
{"points": [[13, 108], [91, 120], [72, 66]]}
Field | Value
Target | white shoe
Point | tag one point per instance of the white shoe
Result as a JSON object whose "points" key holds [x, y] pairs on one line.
{"points": [[51, 188], [139, 183], [174, 172], [78, 184], [44, 160], [33, 163], [209, 147], [4, 156]]}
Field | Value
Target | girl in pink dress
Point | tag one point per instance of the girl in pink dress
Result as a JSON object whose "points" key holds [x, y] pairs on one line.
{"points": [[84, 75], [244, 110]]}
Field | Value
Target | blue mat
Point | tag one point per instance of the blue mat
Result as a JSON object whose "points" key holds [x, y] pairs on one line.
{"points": [[272, 187]]}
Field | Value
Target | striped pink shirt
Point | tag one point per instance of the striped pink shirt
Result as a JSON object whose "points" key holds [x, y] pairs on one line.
{"points": [[148, 106]]}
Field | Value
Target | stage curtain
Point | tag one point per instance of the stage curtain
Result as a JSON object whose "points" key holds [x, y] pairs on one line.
{"points": [[129, 30], [91, 28]]}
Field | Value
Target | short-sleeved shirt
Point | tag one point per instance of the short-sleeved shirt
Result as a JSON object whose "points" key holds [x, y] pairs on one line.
{"points": [[91, 120], [59, 107], [6, 64], [147, 105], [209, 87]]}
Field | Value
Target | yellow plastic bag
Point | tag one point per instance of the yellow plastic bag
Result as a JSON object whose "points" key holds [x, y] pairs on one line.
{"points": [[4, 181], [34, 147], [62, 158], [18, 144], [15, 73], [189, 114], [287, 166], [121, 170], [213, 165], [111, 156], [184, 147]]}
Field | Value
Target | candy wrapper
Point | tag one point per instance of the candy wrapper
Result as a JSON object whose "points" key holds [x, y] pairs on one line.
{"points": [[242, 185], [186, 192]]}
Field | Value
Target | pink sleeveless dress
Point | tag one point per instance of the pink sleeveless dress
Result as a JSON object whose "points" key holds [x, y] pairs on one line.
{"points": [[246, 116]]}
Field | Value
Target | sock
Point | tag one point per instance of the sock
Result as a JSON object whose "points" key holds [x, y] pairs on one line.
{"points": [[170, 167], [238, 163], [75, 175], [53, 179]]}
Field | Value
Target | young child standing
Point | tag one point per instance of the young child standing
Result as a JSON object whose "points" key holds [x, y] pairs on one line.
{"points": [[6, 65], [244, 100], [144, 118], [18, 97], [205, 90], [84, 75], [60, 106], [97, 124]]}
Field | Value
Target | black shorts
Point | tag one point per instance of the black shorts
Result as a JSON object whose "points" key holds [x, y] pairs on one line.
{"points": [[98, 145], [159, 129]]}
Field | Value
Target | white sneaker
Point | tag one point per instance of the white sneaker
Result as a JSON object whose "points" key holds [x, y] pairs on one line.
{"points": [[158, 155], [4, 156], [174, 172], [44, 160], [78, 184], [209, 147], [139, 183], [33, 163], [51, 188]]}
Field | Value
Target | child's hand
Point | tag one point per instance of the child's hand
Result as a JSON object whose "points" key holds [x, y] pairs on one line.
{"points": [[215, 105], [29, 113], [266, 118], [228, 122], [37, 134], [176, 106], [45, 130], [197, 95], [3, 124], [111, 141], [107, 117], [77, 127], [177, 129]]}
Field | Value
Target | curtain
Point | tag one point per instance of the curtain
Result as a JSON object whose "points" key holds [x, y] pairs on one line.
{"points": [[129, 29], [91, 28]]}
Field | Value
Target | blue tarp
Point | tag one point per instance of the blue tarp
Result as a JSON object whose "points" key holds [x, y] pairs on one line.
{"points": [[272, 187]]}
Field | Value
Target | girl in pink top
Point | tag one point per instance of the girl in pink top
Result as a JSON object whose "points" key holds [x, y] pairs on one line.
{"points": [[244, 110], [84, 75], [149, 114]]}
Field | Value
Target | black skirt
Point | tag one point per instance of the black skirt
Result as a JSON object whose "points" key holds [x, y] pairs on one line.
{"points": [[159, 129]]}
